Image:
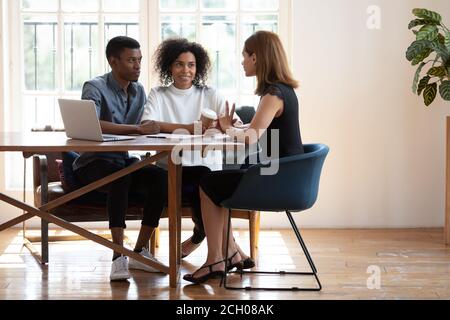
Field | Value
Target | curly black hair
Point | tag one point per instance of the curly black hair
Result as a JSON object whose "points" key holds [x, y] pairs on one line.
{"points": [[170, 49]]}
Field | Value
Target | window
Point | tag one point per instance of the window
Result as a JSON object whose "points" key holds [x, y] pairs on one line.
{"points": [[61, 44], [221, 26]]}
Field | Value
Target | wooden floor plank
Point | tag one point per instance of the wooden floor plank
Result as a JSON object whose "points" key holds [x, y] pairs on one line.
{"points": [[412, 264]]}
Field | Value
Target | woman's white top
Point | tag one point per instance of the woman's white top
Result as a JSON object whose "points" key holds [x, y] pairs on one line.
{"points": [[173, 105]]}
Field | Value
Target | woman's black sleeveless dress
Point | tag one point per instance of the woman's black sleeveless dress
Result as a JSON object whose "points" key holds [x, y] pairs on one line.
{"points": [[220, 185]]}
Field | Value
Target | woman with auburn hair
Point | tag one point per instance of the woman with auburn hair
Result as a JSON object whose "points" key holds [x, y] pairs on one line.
{"points": [[265, 58]]}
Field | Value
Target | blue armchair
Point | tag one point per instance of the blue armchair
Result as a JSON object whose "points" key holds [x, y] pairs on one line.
{"points": [[294, 188]]}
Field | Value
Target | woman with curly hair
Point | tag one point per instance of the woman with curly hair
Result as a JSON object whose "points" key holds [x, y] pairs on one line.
{"points": [[178, 103]]}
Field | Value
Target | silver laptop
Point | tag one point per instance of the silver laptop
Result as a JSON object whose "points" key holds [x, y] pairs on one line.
{"points": [[81, 122]]}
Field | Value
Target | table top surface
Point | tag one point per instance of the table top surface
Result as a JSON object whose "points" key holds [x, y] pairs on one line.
{"points": [[58, 142]]}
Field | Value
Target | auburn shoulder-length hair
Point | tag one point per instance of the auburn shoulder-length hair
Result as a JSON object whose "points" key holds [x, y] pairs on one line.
{"points": [[271, 61]]}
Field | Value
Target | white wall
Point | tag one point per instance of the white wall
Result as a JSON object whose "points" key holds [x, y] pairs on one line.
{"points": [[2, 19], [386, 164]]}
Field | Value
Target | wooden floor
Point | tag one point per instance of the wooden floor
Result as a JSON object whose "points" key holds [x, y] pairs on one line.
{"points": [[412, 264]]}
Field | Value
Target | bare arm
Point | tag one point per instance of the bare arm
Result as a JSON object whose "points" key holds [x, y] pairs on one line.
{"points": [[269, 107], [147, 127], [168, 127]]}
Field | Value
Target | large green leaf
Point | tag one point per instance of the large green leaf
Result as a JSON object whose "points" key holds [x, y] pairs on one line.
{"points": [[428, 32], [423, 84], [441, 50], [416, 48], [444, 90], [416, 77], [420, 22], [429, 94], [447, 40], [427, 14], [438, 71], [421, 56], [441, 38]]}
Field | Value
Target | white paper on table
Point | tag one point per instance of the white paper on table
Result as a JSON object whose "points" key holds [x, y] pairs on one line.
{"points": [[173, 136], [170, 136]]}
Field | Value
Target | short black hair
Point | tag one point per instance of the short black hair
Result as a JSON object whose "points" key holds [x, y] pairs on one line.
{"points": [[170, 49], [118, 44]]}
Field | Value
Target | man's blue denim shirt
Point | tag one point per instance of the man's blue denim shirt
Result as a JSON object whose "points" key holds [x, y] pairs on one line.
{"points": [[113, 105]]}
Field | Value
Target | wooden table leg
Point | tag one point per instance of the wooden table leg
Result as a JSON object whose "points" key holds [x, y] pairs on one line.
{"points": [[82, 232], [174, 213]]}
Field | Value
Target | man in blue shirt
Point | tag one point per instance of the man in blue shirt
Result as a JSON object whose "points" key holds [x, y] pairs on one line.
{"points": [[120, 102]]}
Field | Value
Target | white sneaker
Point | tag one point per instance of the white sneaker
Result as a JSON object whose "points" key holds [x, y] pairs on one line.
{"points": [[134, 264], [119, 269]]}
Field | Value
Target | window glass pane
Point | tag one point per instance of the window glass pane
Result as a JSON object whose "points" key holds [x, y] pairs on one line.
{"points": [[80, 5], [222, 50], [120, 26], [40, 53], [40, 5], [259, 5], [14, 172], [178, 26], [219, 4], [248, 84], [121, 5], [248, 101], [80, 52], [179, 5], [39, 111], [251, 24]]}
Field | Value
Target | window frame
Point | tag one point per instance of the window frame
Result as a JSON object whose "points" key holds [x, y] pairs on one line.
{"points": [[285, 25], [150, 36], [17, 51]]}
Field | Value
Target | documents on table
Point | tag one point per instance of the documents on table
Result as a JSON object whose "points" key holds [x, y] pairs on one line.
{"points": [[169, 136]]}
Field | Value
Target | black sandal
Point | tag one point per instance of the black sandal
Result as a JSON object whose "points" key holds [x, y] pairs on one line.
{"points": [[211, 275], [238, 265], [247, 263]]}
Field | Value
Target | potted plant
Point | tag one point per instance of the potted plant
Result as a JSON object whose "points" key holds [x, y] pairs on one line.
{"points": [[432, 49], [433, 39]]}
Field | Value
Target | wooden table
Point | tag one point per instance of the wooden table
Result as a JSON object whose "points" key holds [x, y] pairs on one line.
{"points": [[37, 143]]}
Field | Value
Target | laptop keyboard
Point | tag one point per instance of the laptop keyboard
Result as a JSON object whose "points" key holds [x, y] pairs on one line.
{"points": [[111, 138]]}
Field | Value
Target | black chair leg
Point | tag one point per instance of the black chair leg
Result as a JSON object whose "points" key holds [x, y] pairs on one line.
{"points": [[300, 240], [305, 251]]}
